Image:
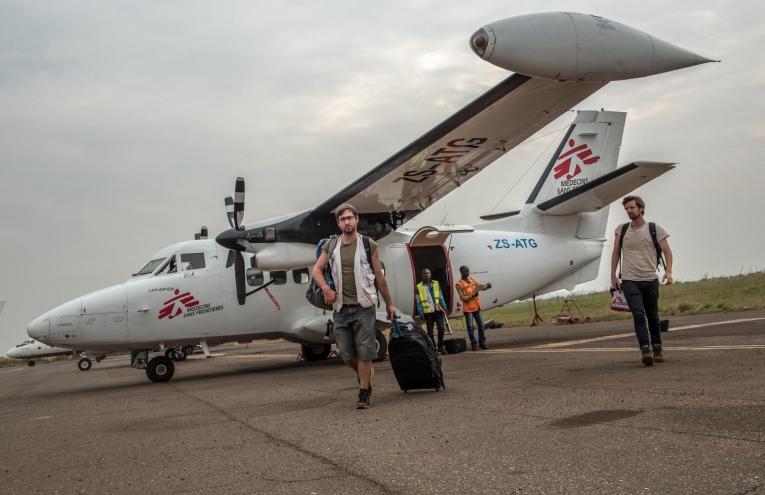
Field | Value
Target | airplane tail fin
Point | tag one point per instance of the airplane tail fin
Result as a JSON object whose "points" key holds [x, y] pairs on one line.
{"points": [[588, 150]]}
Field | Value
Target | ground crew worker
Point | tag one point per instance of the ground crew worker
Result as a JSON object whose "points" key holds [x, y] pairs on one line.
{"points": [[636, 246], [431, 306], [468, 289], [356, 297]]}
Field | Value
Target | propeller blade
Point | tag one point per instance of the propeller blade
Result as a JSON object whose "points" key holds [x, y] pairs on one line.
{"points": [[230, 210], [241, 289], [230, 259], [239, 202]]}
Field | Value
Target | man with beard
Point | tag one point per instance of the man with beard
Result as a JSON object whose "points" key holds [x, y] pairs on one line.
{"points": [[357, 280], [640, 245]]}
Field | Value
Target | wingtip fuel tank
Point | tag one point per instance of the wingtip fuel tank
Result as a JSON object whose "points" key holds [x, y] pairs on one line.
{"points": [[568, 46]]}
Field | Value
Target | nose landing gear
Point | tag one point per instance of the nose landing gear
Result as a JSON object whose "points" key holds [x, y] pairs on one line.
{"points": [[158, 369], [84, 364]]}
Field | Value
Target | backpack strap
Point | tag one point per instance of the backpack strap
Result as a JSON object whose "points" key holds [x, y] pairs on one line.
{"points": [[654, 238], [621, 246]]}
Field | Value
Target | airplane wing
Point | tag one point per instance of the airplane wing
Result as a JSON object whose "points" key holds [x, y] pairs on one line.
{"points": [[461, 146]]}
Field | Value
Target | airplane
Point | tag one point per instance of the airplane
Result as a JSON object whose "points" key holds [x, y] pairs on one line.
{"points": [[30, 350], [250, 281]]}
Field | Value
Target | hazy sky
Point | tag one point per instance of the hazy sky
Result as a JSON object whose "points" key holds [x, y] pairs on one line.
{"points": [[123, 124]]}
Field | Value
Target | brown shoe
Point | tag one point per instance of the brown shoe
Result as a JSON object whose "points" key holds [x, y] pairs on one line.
{"points": [[646, 355], [658, 354]]}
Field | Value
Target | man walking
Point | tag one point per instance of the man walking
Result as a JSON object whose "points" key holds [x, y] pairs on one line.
{"points": [[468, 289], [357, 279], [640, 245], [430, 307]]}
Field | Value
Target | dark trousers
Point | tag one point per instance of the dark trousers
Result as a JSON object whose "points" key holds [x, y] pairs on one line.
{"points": [[438, 319], [643, 299], [479, 323]]}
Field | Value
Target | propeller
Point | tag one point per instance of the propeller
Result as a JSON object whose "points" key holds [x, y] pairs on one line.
{"points": [[235, 239]]}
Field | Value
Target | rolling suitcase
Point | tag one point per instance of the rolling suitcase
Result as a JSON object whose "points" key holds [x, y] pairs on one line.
{"points": [[413, 358], [453, 345]]}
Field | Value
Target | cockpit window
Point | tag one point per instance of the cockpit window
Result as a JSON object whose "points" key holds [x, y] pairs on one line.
{"points": [[149, 267], [169, 267], [192, 261]]}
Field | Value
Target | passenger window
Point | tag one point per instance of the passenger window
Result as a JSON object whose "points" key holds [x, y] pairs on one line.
{"points": [[279, 278], [169, 267], [254, 277], [300, 276], [192, 261]]}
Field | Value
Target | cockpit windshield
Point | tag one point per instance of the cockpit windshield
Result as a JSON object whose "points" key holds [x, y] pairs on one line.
{"points": [[150, 267]]}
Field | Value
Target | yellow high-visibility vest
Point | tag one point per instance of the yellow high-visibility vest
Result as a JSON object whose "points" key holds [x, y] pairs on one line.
{"points": [[422, 294]]}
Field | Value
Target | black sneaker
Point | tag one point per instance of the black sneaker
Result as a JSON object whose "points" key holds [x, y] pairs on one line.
{"points": [[473, 347], [483, 346], [365, 398], [658, 354], [646, 355]]}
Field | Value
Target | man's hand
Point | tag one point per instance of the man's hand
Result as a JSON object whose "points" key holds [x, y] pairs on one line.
{"points": [[668, 278], [391, 311], [329, 295], [614, 282], [488, 286]]}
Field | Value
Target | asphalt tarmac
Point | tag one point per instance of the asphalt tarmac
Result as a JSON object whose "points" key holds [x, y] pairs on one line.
{"points": [[562, 409]]}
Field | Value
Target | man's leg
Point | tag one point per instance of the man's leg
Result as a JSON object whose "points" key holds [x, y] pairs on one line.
{"points": [[469, 326], [650, 292], [430, 319], [343, 331], [481, 332], [439, 316], [634, 297], [366, 350]]}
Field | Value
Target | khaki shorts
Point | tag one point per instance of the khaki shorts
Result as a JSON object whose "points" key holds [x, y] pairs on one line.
{"points": [[354, 329]]}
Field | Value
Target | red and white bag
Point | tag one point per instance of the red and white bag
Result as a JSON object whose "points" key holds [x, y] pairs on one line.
{"points": [[618, 301]]}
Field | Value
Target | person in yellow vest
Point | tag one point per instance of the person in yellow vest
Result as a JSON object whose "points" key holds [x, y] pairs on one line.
{"points": [[468, 289], [431, 306]]}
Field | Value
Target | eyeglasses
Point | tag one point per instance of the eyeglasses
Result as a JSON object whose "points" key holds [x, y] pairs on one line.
{"points": [[346, 219]]}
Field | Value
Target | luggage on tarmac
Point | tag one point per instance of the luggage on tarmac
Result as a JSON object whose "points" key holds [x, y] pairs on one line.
{"points": [[414, 359], [453, 345]]}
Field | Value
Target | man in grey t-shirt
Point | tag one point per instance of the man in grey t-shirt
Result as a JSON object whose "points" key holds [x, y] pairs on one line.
{"points": [[640, 282]]}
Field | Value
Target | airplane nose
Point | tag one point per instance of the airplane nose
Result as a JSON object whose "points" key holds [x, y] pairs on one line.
{"points": [[39, 329], [12, 353]]}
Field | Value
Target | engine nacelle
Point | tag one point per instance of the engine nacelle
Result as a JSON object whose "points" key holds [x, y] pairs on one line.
{"points": [[568, 46], [284, 256]]}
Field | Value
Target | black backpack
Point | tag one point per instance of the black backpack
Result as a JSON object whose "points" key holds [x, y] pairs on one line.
{"points": [[314, 294], [654, 238]]}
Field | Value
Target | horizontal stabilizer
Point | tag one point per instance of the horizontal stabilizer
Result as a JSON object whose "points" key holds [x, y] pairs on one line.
{"points": [[604, 190]]}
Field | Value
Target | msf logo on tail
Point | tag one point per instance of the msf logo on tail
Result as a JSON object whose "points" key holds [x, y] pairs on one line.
{"points": [[564, 162]]}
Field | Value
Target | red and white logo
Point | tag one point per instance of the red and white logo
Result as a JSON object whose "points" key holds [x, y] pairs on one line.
{"points": [[172, 307], [564, 162]]}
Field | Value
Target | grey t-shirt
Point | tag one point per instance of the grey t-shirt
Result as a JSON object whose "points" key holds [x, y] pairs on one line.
{"points": [[347, 257], [638, 252]]}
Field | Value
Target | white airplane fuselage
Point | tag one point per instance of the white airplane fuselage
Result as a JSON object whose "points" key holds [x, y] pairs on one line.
{"points": [[191, 305]]}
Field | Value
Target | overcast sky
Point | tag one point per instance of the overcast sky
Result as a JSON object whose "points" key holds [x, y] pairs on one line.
{"points": [[123, 125]]}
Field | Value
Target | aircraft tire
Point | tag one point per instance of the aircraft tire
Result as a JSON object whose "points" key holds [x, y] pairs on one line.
{"points": [[84, 364], [30, 363], [160, 369], [315, 352], [188, 350], [382, 346]]}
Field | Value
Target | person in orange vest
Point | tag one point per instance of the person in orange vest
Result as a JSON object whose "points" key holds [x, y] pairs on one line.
{"points": [[431, 306], [468, 289]]}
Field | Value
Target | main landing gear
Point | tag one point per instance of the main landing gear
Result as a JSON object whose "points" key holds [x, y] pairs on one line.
{"points": [[177, 354], [84, 364], [158, 369]]}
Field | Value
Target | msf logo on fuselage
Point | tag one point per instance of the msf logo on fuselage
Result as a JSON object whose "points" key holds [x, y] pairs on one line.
{"points": [[172, 307], [569, 165]]}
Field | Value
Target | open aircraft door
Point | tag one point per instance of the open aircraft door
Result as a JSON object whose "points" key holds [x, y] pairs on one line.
{"points": [[429, 248]]}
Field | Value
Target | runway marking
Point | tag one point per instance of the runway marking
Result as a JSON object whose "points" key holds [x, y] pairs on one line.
{"points": [[629, 349], [632, 334], [41, 417], [11, 370]]}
